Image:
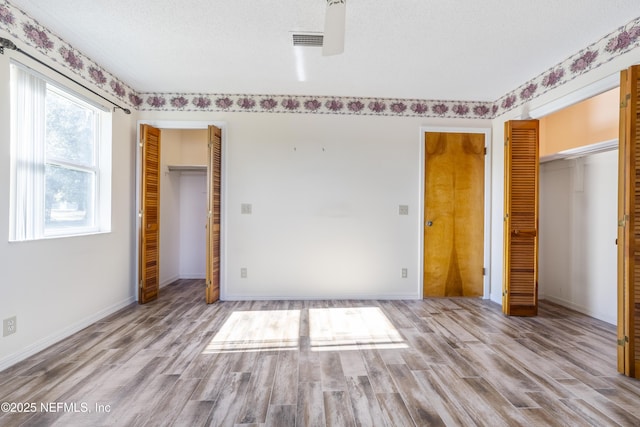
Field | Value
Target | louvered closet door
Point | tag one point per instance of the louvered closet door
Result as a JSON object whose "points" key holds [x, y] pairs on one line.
{"points": [[520, 283], [149, 257], [629, 225], [214, 189]]}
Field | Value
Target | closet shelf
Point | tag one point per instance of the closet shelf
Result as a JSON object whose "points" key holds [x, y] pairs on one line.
{"points": [[186, 168]]}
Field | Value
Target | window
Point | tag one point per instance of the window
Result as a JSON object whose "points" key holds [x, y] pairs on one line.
{"points": [[60, 160]]}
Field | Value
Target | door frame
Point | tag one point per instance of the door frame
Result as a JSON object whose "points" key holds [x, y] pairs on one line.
{"points": [[487, 200], [185, 125]]}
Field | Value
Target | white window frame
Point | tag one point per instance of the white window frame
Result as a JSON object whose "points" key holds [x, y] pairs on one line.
{"points": [[27, 218]]}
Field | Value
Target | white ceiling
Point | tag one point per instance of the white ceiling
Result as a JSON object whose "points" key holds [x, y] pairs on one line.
{"points": [[428, 49]]}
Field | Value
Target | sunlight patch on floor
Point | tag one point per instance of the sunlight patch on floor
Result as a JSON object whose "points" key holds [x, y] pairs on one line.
{"points": [[354, 328], [257, 331], [330, 329]]}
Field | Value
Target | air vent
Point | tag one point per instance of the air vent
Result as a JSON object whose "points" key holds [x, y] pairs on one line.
{"points": [[310, 40]]}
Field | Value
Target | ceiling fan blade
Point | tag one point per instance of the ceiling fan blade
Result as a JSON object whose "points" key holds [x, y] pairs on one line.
{"points": [[334, 24]]}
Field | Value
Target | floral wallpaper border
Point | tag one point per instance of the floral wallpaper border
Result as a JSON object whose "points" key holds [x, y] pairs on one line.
{"points": [[29, 31], [616, 43], [26, 29], [313, 105]]}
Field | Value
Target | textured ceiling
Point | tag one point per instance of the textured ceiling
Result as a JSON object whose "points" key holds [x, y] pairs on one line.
{"points": [[428, 49]]}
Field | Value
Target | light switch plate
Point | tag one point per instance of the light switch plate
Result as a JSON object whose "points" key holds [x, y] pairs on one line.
{"points": [[245, 208], [403, 210]]}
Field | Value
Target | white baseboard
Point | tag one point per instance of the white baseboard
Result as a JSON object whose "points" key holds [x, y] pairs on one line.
{"points": [[581, 309], [240, 297], [38, 346], [172, 279], [169, 281], [192, 276]]}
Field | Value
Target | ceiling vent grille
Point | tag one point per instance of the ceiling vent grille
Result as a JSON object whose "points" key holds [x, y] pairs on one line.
{"points": [[309, 40]]}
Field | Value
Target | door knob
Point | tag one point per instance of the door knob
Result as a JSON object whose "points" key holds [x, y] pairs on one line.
{"points": [[429, 223]]}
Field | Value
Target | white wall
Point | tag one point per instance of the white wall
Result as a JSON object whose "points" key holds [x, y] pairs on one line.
{"points": [[183, 206], [578, 227], [193, 218], [58, 286], [324, 191]]}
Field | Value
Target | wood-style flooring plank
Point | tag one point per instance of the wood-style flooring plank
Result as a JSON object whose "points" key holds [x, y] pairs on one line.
{"points": [[194, 413], [256, 404], [213, 379], [332, 376], [310, 408], [446, 361], [422, 410], [379, 376], [364, 403], [281, 415], [512, 380], [285, 383], [337, 409], [171, 404], [482, 410], [352, 363], [450, 410], [394, 410], [230, 400]]}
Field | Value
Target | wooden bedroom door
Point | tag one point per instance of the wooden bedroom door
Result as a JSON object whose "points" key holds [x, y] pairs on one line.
{"points": [[214, 189], [149, 256], [454, 214], [521, 165], [629, 224]]}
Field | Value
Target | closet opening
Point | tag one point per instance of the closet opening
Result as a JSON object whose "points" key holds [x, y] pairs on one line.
{"points": [[579, 206], [189, 211]]}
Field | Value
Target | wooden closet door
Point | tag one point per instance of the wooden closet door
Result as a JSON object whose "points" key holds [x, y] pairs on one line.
{"points": [[520, 280], [214, 189], [629, 225], [454, 214], [149, 257]]}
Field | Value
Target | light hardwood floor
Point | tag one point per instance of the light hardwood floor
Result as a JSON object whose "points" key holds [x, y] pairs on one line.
{"points": [[177, 361]]}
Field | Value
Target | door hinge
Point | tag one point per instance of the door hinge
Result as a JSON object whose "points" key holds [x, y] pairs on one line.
{"points": [[485, 151], [140, 285], [484, 271], [623, 222], [623, 341], [625, 101], [506, 141]]}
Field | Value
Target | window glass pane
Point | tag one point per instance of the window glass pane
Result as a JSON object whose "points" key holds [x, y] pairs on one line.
{"points": [[70, 130], [60, 160], [69, 198]]}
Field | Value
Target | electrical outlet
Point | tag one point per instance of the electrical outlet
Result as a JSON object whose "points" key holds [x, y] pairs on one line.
{"points": [[9, 326], [405, 273], [245, 208], [403, 209], [243, 273]]}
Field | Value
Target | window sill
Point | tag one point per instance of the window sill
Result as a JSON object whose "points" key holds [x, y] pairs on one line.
{"points": [[62, 236]]}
